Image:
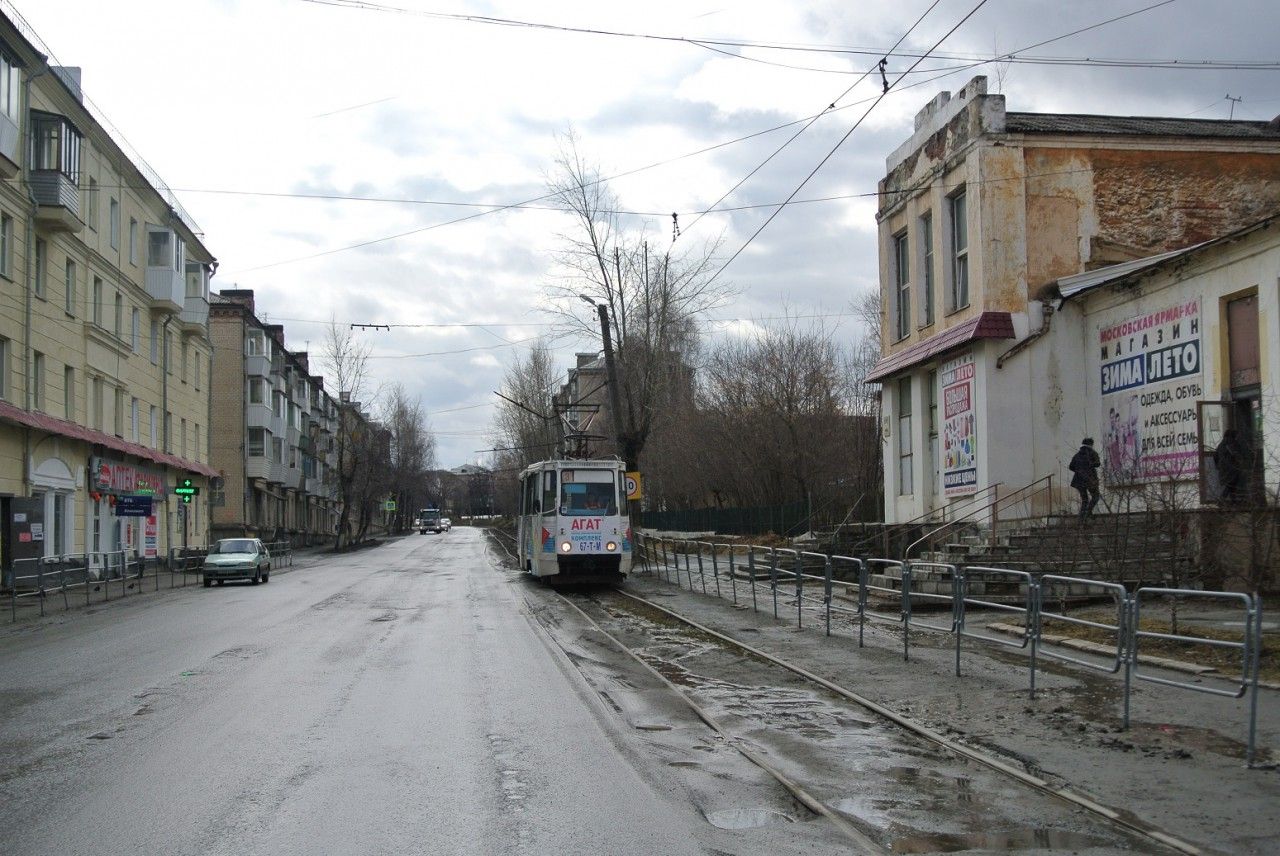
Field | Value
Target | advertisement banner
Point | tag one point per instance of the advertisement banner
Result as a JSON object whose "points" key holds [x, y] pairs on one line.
{"points": [[119, 477], [959, 427], [150, 546], [1150, 383]]}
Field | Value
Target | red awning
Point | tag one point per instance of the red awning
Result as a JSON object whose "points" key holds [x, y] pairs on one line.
{"points": [[988, 325], [63, 428]]}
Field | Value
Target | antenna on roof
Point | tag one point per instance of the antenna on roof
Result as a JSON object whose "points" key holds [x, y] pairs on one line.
{"points": [[1234, 99]]}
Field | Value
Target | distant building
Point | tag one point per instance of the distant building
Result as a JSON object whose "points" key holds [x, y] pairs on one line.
{"points": [[997, 356], [275, 429], [104, 348]]}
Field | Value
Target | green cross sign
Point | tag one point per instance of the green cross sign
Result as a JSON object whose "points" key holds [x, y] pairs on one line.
{"points": [[186, 490]]}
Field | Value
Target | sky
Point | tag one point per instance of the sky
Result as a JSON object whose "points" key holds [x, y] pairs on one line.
{"points": [[324, 146]]}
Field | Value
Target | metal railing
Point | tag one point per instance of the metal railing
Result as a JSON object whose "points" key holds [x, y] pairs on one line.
{"points": [[1039, 600]]}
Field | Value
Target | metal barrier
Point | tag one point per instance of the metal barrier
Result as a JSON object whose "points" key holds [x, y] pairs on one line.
{"points": [[1040, 601], [1249, 647]]}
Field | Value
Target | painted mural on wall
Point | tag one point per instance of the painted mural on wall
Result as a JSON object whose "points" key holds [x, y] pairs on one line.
{"points": [[1150, 382], [959, 427]]}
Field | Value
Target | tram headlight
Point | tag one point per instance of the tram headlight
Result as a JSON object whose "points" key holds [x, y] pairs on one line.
{"points": [[565, 546], [611, 546]]}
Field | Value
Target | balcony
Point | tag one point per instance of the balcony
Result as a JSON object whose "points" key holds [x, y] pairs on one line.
{"points": [[57, 201], [257, 468], [256, 365], [258, 416], [278, 470], [10, 139], [195, 314], [167, 289]]}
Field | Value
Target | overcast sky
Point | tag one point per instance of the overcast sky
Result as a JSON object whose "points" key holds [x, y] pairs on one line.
{"points": [[233, 101]]}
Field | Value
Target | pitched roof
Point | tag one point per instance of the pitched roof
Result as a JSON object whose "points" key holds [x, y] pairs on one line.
{"points": [[1146, 126], [988, 325], [43, 422]]}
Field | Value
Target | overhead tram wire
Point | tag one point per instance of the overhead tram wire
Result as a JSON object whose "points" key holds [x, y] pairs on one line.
{"points": [[693, 154], [830, 107], [839, 143], [702, 42]]}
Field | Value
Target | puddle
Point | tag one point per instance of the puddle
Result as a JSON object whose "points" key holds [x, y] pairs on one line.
{"points": [[747, 818]]}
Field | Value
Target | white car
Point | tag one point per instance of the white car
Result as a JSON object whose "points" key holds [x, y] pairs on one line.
{"points": [[446, 524], [237, 559]]}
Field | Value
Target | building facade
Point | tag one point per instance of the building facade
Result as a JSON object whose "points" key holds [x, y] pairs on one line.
{"points": [[275, 431], [982, 212], [104, 349]]}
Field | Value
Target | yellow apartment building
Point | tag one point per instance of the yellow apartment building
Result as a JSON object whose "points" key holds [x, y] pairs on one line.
{"points": [[105, 356]]}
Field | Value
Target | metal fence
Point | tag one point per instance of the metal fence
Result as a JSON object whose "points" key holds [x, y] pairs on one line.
{"points": [[863, 589], [102, 576]]}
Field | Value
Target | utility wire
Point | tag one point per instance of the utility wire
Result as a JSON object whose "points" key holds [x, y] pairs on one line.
{"points": [[841, 142]]}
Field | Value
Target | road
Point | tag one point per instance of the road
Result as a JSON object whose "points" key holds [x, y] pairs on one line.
{"points": [[396, 700]]}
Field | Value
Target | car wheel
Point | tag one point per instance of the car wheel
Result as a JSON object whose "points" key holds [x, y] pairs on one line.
{"points": [[220, 582], [257, 578], [208, 582], [266, 575]]}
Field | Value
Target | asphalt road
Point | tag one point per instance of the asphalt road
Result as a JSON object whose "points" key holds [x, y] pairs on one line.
{"points": [[398, 700]]}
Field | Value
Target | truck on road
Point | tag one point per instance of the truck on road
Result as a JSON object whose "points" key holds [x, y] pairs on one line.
{"points": [[429, 519]]}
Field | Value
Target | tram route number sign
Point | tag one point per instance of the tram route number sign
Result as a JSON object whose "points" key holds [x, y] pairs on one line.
{"points": [[634, 487]]}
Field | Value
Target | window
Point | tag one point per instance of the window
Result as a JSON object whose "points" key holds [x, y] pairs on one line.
{"points": [[96, 309], [135, 328], [71, 288], [37, 380], [155, 342], [151, 428], [6, 245], [118, 415], [185, 352], [959, 251], [69, 394], [197, 368], [91, 205], [10, 88], [118, 320], [41, 262], [97, 403], [257, 390], [159, 247], [113, 224], [4, 368], [168, 352], [277, 405], [133, 241], [257, 442], [253, 344], [133, 419], [902, 287], [904, 436], [195, 446], [277, 450], [926, 270], [56, 145], [293, 415], [182, 435], [168, 431]]}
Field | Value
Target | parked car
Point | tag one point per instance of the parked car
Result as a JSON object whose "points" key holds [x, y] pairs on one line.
{"points": [[237, 559]]}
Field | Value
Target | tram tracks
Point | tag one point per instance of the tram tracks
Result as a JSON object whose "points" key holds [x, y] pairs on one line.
{"points": [[613, 609]]}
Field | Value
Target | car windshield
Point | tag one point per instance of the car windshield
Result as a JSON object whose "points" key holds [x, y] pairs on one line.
{"points": [[235, 545]]}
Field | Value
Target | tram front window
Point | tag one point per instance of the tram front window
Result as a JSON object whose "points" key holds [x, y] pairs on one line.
{"points": [[588, 498]]}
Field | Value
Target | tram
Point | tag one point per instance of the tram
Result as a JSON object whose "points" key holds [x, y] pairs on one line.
{"points": [[573, 524]]}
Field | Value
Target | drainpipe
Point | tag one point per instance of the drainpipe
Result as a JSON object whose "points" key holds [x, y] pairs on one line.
{"points": [[31, 233], [1047, 310]]}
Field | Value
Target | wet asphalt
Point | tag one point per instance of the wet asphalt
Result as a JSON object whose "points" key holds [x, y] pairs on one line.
{"points": [[395, 700]]}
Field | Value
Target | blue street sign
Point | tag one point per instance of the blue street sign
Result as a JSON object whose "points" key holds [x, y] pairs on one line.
{"points": [[133, 506]]}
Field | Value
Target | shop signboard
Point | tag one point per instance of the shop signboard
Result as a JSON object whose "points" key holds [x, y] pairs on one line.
{"points": [[959, 427], [150, 545], [111, 476], [1150, 382], [133, 506]]}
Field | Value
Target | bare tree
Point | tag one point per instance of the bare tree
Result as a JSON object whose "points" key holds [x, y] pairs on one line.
{"points": [[346, 362], [412, 454], [652, 298]]}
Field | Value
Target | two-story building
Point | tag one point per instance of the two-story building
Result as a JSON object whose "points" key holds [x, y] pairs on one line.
{"points": [[989, 380], [104, 349]]}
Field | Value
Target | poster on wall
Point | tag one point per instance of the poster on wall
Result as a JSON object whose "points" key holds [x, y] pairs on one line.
{"points": [[959, 427], [1150, 383], [150, 547]]}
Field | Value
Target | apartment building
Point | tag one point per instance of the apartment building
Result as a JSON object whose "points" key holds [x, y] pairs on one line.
{"points": [[991, 370], [104, 348], [274, 430]]}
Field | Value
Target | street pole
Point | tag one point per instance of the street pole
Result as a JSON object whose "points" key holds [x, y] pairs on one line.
{"points": [[611, 374]]}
